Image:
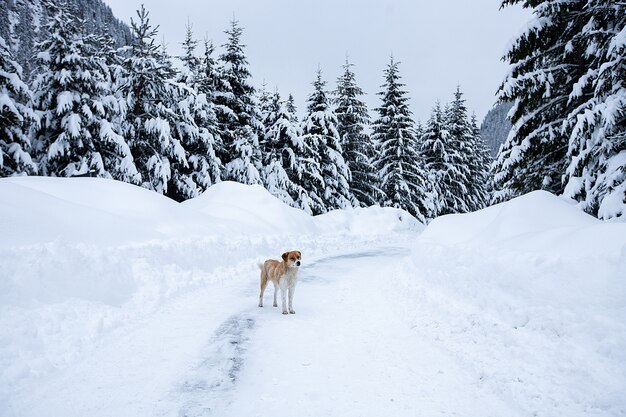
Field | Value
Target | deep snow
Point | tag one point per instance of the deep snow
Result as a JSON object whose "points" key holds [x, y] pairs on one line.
{"points": [[117, 301]]}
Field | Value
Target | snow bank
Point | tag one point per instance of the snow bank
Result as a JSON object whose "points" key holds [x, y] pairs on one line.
{"points": [[251, 209], [533, 271], [82, 257], [89, 210]]}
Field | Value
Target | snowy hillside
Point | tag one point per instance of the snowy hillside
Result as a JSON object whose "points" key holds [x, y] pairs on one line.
{"points": [[116, 301]]}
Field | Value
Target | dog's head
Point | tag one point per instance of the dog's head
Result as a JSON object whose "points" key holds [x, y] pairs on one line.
{"points": [[292, 258]]}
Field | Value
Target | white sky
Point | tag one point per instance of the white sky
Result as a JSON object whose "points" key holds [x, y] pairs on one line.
{"points": [[439, 43]]}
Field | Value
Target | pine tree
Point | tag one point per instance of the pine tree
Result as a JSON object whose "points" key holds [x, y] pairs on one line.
{"points": [[567, 81], [320, 135], [117, 157], [399, 163], [533, 157], [480, 163], [197, 123], [149, 119], [15, 116], [278, 157], [596, 172], [190, 71], [74, 100], [237, 113], [358, 149], [460, 159]]}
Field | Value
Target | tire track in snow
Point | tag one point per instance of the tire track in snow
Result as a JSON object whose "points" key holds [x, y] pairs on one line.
{"points": [[205, 385]]}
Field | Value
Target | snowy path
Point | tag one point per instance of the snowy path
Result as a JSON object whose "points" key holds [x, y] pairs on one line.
{"points": [[347, 352]]}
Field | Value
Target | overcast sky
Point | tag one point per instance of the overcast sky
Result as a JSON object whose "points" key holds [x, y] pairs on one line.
{"points": [[439, 43]]}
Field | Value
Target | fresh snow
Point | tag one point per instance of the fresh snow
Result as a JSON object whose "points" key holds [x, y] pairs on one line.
{"points": [[116, 301]]}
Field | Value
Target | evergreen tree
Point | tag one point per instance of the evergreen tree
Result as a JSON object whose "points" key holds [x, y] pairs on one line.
{"points": [[118, 160], [75, 103], [567, 81], [237, 113], [15, 116], [533, 157], [359, 151], [291, 110], [460, 158], [321, 137], [278, 156], [480, 164], [399, 163], [190, 71], [149, 119], [265, 102], [596, 172], [197, 123]]}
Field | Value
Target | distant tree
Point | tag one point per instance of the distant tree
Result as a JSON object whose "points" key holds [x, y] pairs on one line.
{"points": [[319, 130], [238, 116], [480, 163], [358, 149], [399, 163], [16, 115]]}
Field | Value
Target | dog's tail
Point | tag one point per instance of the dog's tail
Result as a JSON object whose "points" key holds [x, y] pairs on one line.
{"points": [[260, 265]]}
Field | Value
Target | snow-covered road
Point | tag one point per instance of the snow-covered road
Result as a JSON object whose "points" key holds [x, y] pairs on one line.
{"points": [[347, 352]]}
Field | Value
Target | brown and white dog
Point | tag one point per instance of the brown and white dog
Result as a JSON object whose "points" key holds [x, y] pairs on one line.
{"points": [[284, 275]]}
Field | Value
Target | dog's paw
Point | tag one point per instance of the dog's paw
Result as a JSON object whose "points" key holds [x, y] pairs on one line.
{"points": [[260, 305], [284, 312], [275, 305], [292, 311]]}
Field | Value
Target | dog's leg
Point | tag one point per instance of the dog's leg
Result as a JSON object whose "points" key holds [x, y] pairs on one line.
{"points": [[275, 294], [283, 295], [263, 285], [291, 291]]}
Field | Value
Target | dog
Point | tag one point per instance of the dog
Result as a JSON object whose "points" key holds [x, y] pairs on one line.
{"points": [[284, 275]]}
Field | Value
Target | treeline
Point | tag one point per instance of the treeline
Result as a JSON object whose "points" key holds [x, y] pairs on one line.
{"points": [[132, 115]]}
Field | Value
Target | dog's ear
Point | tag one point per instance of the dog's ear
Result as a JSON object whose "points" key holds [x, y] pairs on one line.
{"points": [[285, 255], [299, 253]]}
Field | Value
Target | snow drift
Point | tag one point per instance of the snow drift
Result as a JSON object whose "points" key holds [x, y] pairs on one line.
{"points": [[533, 271]]}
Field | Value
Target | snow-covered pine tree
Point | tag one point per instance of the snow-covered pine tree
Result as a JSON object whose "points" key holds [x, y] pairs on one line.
{"points": [[480, 164], [399, 162], [117, 157], [148, 123], [567, 80], [319, 133], [190, 69], [434, 140], [462, 194], [533, 156], [197, 125], [265, 102], [358, 149], [16, 115], [73, 98], [596, 123], [237, 113], [291, 109], [278, 156]]}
